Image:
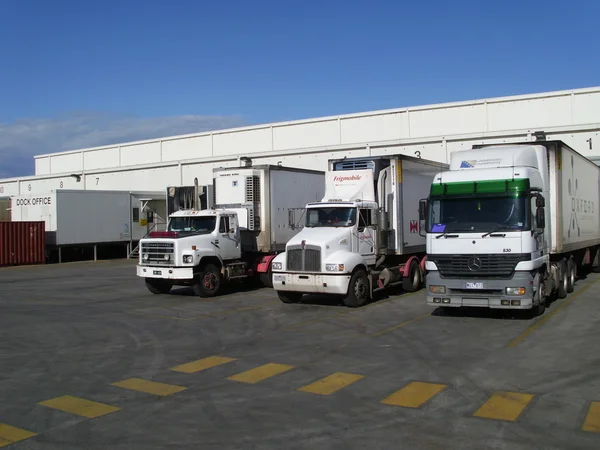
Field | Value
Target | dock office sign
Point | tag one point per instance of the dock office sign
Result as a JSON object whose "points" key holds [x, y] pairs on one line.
{"points": [[34, 201]]}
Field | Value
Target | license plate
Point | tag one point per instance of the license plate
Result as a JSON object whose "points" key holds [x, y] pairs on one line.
{"points": [[157, 272], [474, 286], [278, 277]]}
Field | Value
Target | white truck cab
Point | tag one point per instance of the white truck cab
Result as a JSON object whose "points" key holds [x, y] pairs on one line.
{"points": [[508, 225], [238, 238], [363, 236], [174, 256]]}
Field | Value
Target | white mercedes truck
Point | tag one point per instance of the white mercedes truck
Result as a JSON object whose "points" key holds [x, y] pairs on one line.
{"points": [[237, 238], [363, 235], [508, 225]]}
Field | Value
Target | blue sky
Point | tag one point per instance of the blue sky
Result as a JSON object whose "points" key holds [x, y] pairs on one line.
{"points": [[82, 73]]}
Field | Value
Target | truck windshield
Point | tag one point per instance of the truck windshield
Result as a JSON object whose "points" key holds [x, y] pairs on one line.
{"points": [[479, 214], [200, 225], [330, 217]]}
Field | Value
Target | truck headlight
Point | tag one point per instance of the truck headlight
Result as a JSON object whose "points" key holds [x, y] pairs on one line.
{"points": [[188, 259], [334, 267], [145, 257], [277, 266], [515, 291], [437, 289]]}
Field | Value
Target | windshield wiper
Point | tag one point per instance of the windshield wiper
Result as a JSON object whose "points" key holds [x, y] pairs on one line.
{"points": [[498, 228], [447, 235]]}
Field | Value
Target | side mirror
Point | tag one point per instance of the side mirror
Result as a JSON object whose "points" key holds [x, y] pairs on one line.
{"points": [[540, 202], [540, 217], [423, 205], [423, 209]]}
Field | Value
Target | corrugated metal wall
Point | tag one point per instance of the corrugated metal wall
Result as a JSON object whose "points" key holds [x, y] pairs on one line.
{"points": [[4, 210], [22, 243]]}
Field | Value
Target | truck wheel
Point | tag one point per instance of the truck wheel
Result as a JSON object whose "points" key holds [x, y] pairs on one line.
{"points": [[540, 297], [290, 297], [412, 283], [563, 282], [572, 275], [358, 290], [208, 282], [158, 286], [267, 279]]}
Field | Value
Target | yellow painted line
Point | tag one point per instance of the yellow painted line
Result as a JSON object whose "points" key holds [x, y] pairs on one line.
{"points": [[592, 421], [504, 406], [149, 387], [551, 314], [10, 435], [414, 395], [80, 406], [260, 373], [331, 383], [202, 364], [400, 325]]}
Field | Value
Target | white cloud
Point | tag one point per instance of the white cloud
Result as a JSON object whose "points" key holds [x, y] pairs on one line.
{"points": [[22, 139]]}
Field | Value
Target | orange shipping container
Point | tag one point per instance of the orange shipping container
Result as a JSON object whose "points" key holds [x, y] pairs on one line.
{"points": [[22, 243]]}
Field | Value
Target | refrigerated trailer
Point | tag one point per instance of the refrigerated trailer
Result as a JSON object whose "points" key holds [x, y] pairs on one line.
{"points": [[509, 225], [252, 219], [363, 236]]}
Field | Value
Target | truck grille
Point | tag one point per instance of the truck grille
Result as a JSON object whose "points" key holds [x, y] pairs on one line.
{"points": [[477, 266], [308, 260], [156, 252]]}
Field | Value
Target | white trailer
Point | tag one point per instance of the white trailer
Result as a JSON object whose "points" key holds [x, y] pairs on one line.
{"points": [[509, 225], [363, 236], [237, 239], [82, 218]]}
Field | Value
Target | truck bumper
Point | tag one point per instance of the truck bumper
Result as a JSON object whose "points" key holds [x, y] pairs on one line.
{"points": [[166, 273], [491, 295], [311, 283]]}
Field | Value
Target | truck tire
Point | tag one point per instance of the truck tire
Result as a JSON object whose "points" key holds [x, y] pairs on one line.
{"points": [[266, 279], [571, 274], [540, 296], [563, 281], [412, 283], [289, 297], [158, 286], [208, 282], [358, 290]]}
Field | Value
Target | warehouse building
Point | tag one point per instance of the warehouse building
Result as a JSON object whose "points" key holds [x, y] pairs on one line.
{"points": [[430, 131]]}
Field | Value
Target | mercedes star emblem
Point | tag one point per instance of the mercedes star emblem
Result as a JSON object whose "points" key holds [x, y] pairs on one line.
{"points": [[474, 264]]}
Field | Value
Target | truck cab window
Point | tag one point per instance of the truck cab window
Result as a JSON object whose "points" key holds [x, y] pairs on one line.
{"points": [[198, 225], [365, 218], [331, 217], [224, 225]]}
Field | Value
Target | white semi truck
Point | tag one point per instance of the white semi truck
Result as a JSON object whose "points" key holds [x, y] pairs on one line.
{"points": [[252, 219], [509, 225], [363, 236]]}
